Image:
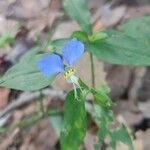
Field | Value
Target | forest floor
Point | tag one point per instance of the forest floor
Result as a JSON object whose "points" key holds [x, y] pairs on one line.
{"points": [[28, 20]]}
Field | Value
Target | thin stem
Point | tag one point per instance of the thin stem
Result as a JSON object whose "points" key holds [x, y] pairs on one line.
{"points": [[92, 70], [41, 105]]}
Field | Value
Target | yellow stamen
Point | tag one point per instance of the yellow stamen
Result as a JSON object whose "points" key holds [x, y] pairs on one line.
{"points": [[69, 73]]}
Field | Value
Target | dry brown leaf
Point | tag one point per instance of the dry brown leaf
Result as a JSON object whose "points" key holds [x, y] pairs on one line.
{"points": [[4, 97], [6, 143], [35, 14], [89, 140]]}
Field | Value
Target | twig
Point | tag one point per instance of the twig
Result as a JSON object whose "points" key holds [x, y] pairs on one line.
{"points": [[28, 121], [28, 97]]}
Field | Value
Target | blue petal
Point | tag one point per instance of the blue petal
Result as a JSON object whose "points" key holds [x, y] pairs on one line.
{"points": [[50, 64], [72, 51]]}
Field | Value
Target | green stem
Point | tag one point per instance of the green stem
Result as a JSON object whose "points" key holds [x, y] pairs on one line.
{"points": [[41, 105], [92, 70], [54, 112]]}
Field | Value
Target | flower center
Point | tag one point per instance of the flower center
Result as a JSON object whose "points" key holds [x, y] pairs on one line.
{"points": [[69, 73]]}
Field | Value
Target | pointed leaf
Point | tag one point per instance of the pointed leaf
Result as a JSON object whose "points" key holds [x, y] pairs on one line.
{"points": [[78, 10], [30, 54], [102, 117], [74, 122], [57, 45], [121, 134], [118, 48], [101, 98], [138, 28], [80, 35], [26, 76], [98, 36]]}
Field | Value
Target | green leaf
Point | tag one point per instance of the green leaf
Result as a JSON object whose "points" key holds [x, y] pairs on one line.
{"points": [[29, 54], [101, 115], [101, 97], [23, 65], [102, 118], [138, 28], [80, 35], [6, 39], [26, 76], [104, 89], [78, 10], [28, 82], [121, 134], [74, 129], [57, 45], [98, 36], [120, 49], [56, 122]]}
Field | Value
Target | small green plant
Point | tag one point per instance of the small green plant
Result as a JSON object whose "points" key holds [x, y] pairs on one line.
{"points": [[37, 70]]}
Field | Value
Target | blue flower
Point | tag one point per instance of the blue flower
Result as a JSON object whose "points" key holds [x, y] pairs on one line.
{"points": [[72, 51], [52, 64]]}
